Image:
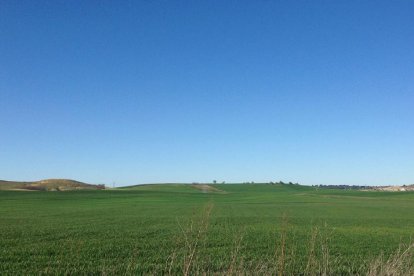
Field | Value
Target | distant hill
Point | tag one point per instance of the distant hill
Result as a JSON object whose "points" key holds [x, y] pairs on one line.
{"points": [[175, 187], [403, 188], [48, 185]]}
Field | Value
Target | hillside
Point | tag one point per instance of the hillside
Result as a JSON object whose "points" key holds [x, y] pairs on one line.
{"points": [[233, 229], [175, 187], [48, 185]]}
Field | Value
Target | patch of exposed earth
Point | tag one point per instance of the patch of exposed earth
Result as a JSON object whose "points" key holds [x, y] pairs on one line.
{"points": [[205, 188]]}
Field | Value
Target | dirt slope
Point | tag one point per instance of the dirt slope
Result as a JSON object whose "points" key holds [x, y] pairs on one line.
{"points": [[48, 185]]}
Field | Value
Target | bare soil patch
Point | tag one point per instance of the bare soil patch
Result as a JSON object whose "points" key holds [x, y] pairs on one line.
{"points": [[205, 188]]}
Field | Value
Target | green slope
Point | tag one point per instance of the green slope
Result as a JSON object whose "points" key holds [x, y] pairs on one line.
{"points": [[142, 230]]}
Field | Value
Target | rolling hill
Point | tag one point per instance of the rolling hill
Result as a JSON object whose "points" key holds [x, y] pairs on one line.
{"points": [[48, 185]]}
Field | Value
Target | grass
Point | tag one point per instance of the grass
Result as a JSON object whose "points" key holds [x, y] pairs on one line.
{"points": [[177, 229]]}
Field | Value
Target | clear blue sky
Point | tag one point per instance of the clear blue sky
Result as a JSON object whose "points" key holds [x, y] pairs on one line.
{"points": [[181, 91]]}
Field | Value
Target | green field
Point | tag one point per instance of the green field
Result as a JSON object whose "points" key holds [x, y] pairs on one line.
{"points": [[179, 229]]}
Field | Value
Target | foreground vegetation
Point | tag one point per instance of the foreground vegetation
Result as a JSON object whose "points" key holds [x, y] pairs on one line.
{"points": [[224, 229]]}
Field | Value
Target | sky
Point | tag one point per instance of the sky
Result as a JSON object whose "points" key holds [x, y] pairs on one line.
{"points": [[128, 92]]}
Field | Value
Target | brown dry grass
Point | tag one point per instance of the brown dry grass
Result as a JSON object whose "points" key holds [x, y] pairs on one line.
{"points": [[319, 260]]}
